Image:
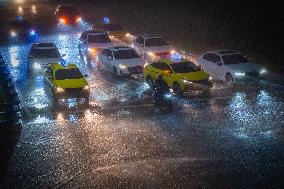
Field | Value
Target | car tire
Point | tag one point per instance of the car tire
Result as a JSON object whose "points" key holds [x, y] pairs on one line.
{"points": [[150, 81], [229, 78], [86, 102], [114, 72], [177, 89]]}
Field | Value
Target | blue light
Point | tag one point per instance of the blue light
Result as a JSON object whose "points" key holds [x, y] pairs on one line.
{"points": [[32, 32], [176, 57], [63, 63], [106, 20], [19, 18]]}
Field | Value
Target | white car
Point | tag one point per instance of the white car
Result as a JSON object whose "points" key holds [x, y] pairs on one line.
{"points": [[41, 55], [151, 47], [92, 42], [230, 66], [121, 61]]}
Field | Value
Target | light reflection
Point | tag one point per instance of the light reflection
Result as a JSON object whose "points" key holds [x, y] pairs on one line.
{"points": [[20, 10], [34, 9], [264, 98], [13, 51], [41, 120]]}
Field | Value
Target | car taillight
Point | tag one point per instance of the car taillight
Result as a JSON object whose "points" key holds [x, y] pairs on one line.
{"points": [[78, 19], [62, 20]]}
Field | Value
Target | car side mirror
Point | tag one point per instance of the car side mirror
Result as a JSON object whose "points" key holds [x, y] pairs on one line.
{"points": [[109, 58], [219, 63], [63, 55], [49, 77], [31, 56], [85, 75]]}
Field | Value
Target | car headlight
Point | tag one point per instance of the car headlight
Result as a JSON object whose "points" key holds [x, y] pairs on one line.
{"points": [[185, 81], [92, 50], [122, 66], [263, 71], [59, 89], [151, 54], [86, 88], [210, 78], [36, 66], [240, 74], [13, 33]]}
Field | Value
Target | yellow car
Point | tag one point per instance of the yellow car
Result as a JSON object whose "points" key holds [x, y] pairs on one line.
{"points": [[181, 76], [67, 82]]}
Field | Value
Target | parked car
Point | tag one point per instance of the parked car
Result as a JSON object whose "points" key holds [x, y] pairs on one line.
{"points": [[230, 66]]}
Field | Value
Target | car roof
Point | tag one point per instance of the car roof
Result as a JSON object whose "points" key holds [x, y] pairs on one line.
{"points": [[147, 36], [223, 52], [119, 48], [45, 46], [169, 61], [60, 67], [95, 32]]}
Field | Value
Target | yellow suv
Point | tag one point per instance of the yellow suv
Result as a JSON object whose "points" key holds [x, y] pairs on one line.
{"points": [[67, 82], [181, 75]]}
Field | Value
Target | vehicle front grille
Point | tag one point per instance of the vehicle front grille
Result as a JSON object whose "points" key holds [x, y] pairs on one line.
{"points": [[135, 70], [73, 90]]}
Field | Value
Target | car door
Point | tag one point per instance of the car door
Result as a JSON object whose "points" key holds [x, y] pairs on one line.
{"points": [[210, 63], [109, 59], [49, 76], [139, 45], [167, 73]]}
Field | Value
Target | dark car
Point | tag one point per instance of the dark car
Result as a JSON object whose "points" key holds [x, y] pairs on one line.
{"points": [[67, 14], [21, 30]]}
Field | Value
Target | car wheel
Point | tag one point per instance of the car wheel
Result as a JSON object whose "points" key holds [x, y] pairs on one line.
{"points": [[150, 82], [177, 89], [229, 78], [86, 102], [114, 72]]}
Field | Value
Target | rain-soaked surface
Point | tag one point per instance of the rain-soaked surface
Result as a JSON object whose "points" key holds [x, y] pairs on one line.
{"points": [[232, 139]]}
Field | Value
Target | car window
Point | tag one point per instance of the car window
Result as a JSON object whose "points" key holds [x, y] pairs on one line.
{"points": [[212, 57], [234, 59], [46, 53], [99, 38], [155, 42], [109, 53], [184, 67], [63, 74], [140, 40], [161, 66], [125, 54], [49, 72], [83, 36]]}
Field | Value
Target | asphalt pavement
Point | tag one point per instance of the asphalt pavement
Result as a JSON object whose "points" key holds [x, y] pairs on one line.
{"points": [[232, 139]]}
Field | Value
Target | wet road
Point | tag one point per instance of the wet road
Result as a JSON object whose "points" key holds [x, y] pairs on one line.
{"points": [[233, 139]]}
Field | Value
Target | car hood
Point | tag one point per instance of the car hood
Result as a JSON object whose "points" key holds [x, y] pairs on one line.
{"points": [[244, 67], [99, 45], [46, 60], [194, 76], [118, 32], [131, 62], [158, 49], [71, 83]]}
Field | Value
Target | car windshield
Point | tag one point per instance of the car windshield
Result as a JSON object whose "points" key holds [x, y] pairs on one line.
{"points": [[113, 27], [73, 73], [155, 42], [234, 59], [125, 54], [185, 67], [21, 24], [46, 53], [100, 38]]}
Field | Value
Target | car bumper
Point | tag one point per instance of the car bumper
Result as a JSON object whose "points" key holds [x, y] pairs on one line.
{"points": [[72, 93], [198, 86], [137, 70]]}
